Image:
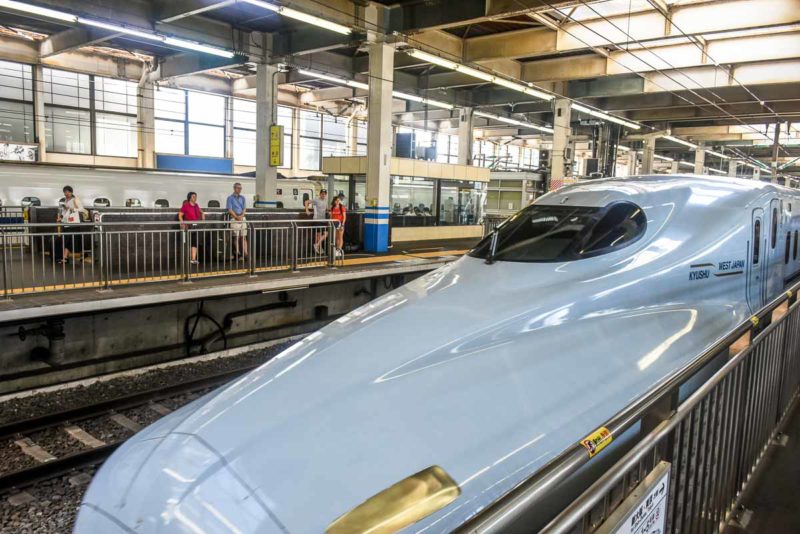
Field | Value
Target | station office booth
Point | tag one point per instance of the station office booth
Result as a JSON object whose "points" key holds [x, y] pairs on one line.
{"points": [[427, 200]]}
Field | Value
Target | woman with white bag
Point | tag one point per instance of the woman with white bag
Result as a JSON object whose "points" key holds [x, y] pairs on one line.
{"points": [[71, 212]]}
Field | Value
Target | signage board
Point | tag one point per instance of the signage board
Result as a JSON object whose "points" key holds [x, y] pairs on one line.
{"points": [[275, 146], [644, 511], [18, 152]]}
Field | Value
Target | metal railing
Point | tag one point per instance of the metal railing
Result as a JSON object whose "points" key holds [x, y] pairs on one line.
{"points": [[711, 443], [108, 254], [490, 222]]}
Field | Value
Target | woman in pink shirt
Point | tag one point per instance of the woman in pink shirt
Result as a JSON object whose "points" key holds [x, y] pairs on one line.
{"points": [[191, 211]]}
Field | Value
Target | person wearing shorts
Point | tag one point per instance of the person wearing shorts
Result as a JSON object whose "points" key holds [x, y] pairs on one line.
{"points": [[339, 213], [237, 209], [319, 208]]}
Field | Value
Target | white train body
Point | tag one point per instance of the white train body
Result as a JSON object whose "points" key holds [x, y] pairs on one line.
{"points": [[20, 184], [486, 369]]}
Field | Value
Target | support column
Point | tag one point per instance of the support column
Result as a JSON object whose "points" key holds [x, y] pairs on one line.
{"points": [[266, 176], [146, 119], [630, 164], [229, 127], [560, 156], [648, 155], [465, 137], [40, 122], [674, 167], [352, 137], [733, 167], [776, 145], [379, 147], [700, 159]]}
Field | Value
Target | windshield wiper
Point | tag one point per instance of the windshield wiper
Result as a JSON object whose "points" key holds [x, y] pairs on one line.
{"points": [[492, 249]]}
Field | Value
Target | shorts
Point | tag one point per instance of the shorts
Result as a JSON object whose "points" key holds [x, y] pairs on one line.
{"points": [[239, 228]]}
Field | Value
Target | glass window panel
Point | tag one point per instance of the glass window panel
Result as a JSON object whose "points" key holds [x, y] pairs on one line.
{"points": [[206, 108], [333, 148], [310, 124], [206, 140], [115, 95], [285, 116], [287, 152], [361, 150], [361, 132], [16, 122], [412, 196], [170, 137], [66, 88], [17, 81], [244, 147], [68, 130], [170, 104], [334, 128], [244, 114], [454, 146], [309, 154], [116, 135], [461, 202]]}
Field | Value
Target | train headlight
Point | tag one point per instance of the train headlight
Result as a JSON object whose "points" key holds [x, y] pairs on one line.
{"points": [[400, 505]]}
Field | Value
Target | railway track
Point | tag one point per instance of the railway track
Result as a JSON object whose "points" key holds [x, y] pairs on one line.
{"points": [[62, 442]]}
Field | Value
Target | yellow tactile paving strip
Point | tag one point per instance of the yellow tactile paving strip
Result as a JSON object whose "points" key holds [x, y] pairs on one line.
{"points": [[373, 260]]}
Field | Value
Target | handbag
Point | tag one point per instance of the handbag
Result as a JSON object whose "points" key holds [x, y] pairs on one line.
{"points": [[73, 216]]}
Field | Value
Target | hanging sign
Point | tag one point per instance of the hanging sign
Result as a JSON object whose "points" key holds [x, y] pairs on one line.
{"points": [[275, 146]]}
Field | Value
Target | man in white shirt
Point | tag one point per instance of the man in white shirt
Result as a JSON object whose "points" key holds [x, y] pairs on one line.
{"points": [[320, 211]]}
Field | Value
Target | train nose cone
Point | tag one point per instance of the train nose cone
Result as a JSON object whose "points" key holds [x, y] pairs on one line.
{"points": [[178, 484]]}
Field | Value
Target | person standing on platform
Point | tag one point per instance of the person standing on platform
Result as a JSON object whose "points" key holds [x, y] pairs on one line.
{"points": [[339, 213], [320, 211], [237, 208], [72, 212], [191, 211]]}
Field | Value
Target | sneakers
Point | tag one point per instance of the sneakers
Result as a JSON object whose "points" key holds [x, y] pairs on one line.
{"points": [[318, 249], [194, 262], [339, 253]]}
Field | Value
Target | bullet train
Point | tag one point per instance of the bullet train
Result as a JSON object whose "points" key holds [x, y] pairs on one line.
{"points": [[419, 409], [27, 184]]}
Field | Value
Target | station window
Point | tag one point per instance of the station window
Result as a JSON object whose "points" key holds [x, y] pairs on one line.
{"points": [[542, 233], [460, 202], [101, 202], [16, 103], [162, 203], [190, 123], [310, 141], [133, 203], [788, 248], [67, 98], [774, 228], [213, 204], [115, 118]]}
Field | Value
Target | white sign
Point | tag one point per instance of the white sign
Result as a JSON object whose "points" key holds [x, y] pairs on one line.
{"points": [[645, 510], [17, 152]]}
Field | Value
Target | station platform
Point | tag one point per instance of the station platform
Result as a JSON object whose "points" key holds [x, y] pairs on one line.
{"points": [[773, 499], [402, 258]]}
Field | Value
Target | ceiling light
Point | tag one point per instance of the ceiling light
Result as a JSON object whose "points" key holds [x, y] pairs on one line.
{"points": [[680, 141], [479, 74], [301, 16], [623, 148], [422, 100], [662, 158], [686, 164], [718, 154], [605, 116], [718, 171], [121, 29], [36, 10], [198, 47], [334, 79], [514, 122]]}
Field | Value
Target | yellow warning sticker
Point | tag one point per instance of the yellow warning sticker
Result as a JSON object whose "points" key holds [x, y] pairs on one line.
{"points": [[754, 320], [789, 294], [597, 441]]}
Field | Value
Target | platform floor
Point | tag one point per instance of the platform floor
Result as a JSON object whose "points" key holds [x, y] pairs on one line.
{"points": [[775, 496], [400, 259]]}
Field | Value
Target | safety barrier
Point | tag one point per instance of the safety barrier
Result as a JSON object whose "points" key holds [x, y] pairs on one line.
{"points": [[121, 253], [691, 460]]}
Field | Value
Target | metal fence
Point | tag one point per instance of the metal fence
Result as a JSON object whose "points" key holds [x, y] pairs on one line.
{"points": [[50, 257], [490, 222], [710, 444]]}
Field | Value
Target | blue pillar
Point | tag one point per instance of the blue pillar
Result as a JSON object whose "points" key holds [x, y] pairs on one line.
{"points": [[376, 229]]}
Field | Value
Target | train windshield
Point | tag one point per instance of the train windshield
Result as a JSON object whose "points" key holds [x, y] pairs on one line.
{"points": [[542, 233]]}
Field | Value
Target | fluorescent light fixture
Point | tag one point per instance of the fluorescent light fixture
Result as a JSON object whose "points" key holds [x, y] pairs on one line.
{"points": [[718, 154], [623, 148], [422, 100], [301, 16], [198, 47], [514, 122], [479, 74], [605, 116], [334, 79], [662, 158], [36, 10], [686, 164], [121, 29], [680, 141], [718, 171]]}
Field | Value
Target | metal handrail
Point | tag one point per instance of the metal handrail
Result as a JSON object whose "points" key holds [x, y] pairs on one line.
{"points": [[162, 223], [514, 504]]}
